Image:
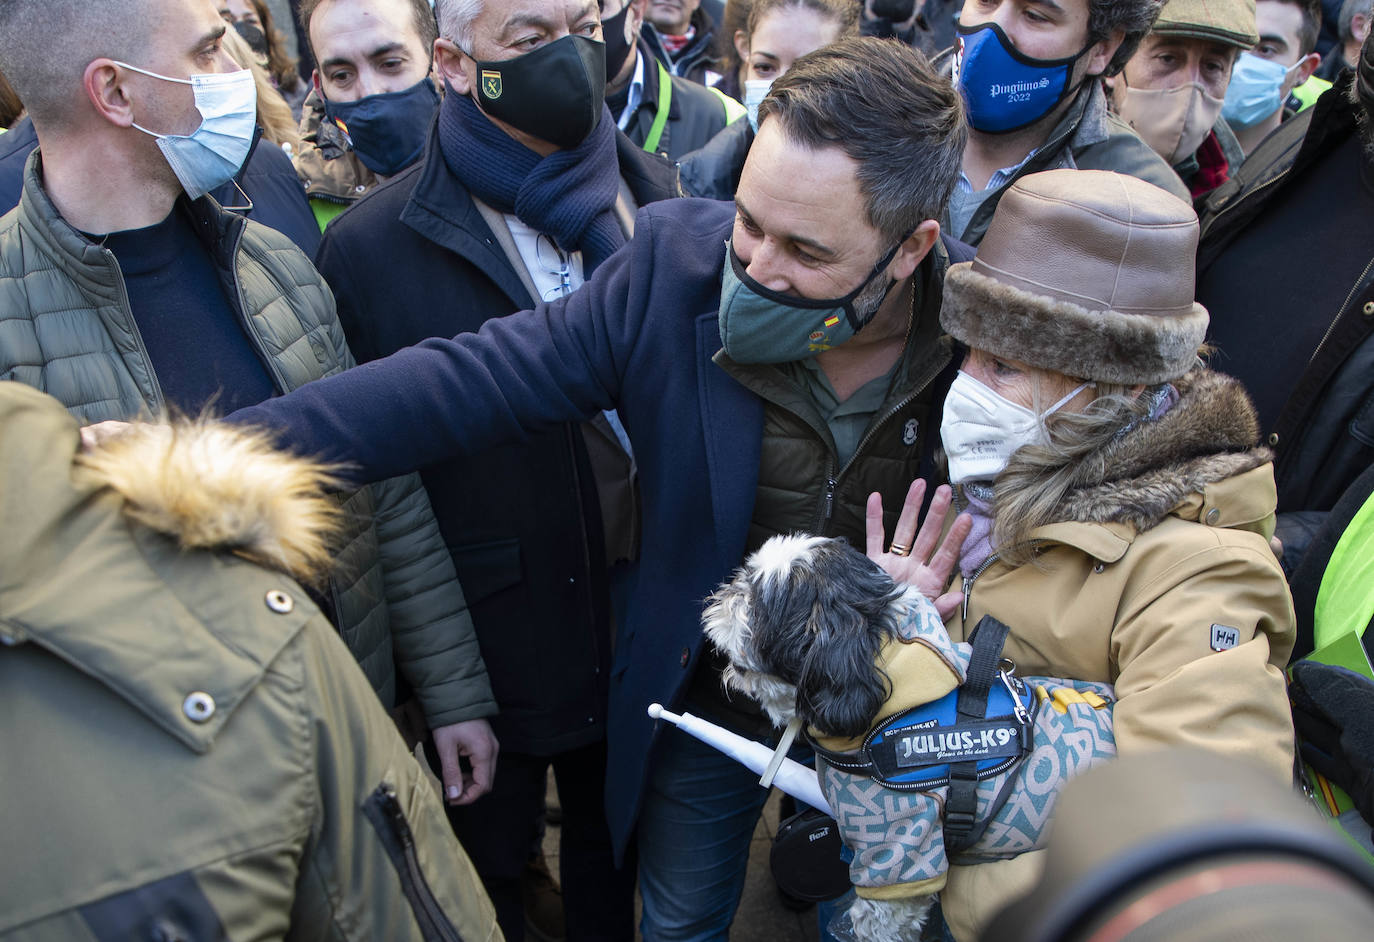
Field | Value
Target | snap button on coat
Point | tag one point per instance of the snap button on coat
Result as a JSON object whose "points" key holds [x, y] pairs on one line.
{"points": [[1213, 516], [279, 602], [198, 706]]}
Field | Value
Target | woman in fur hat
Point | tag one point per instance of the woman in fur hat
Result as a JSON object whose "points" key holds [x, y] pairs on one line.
{"points": [[1122, 513]]}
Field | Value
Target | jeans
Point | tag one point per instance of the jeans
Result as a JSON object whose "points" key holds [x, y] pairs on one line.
{"points": [[698, 818]]}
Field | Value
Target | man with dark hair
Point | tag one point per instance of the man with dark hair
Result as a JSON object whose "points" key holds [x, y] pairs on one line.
{"points": [[682, 35], [1293, 314], [167, 302], [663, 113], [1031, 71], [773, 363], [1264, 77], [373, 99]]}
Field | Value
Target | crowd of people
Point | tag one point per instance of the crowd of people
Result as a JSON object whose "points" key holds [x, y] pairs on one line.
{"points": [[389, 378]]}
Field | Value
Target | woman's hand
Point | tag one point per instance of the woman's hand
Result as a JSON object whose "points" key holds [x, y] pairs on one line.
{"points": [[920, 558]]}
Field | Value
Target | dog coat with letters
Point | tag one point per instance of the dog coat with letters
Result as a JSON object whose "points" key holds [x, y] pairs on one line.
{"points": [[889, 790]]}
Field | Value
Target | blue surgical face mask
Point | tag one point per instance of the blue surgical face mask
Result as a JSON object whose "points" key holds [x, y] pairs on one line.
{"points": [[760, 325], [213, 153], [388, 130], [1005, 90], [1255, 92], [755, 90]]}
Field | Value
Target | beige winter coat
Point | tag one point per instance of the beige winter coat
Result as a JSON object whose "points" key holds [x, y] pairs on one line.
{"points": [[1160, 581]]}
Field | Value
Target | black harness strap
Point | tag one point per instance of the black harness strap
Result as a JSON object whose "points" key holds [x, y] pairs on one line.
{"points": [[961, 805]]}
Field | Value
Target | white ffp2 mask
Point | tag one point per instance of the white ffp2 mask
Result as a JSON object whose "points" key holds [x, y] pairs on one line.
{"points": [[981, 430]]}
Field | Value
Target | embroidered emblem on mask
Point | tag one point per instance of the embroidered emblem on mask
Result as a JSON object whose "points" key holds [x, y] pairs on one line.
{"points": [[491, 84], [1224, 637], [832, 321], [909, 432]]}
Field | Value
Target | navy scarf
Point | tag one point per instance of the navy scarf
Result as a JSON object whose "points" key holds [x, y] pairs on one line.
{"points": [[569, 194]]}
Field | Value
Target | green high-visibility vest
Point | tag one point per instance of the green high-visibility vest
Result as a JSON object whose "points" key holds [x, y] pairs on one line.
{"points": [[733, 109], [1308, 92], [1345, 601]]}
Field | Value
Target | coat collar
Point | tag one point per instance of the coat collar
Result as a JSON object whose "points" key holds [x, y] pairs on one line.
{"points": [[95, 273], [1194, 462], [441, 209]]}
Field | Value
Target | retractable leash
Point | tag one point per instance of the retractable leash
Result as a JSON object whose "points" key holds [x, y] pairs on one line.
{"points": [[981, 729]]}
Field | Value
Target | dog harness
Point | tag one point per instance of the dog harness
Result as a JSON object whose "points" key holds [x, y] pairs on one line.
{"points": [[980, 729]]}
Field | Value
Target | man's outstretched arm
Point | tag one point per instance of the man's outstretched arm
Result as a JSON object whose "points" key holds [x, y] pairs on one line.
{"points": [[560, 362]]}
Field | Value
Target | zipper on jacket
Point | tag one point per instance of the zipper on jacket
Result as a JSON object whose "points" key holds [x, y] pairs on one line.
{"points": [[968, 583], [829, 499], [1341, 310], [331, 198], [886, 417], [159, 400], [241, 305], [383, 810], [832, 479]]}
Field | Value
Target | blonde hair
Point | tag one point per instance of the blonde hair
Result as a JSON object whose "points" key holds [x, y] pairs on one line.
{"points": [[1028, 492], [274, 114]]}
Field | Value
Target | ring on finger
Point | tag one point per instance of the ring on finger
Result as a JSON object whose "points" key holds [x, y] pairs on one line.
{"points": [[899, 549]]}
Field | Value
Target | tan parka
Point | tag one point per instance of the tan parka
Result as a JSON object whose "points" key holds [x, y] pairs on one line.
{"points": [[1160, 581], [189, 750]]}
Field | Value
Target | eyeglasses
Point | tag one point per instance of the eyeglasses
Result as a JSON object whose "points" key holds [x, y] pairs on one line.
{"points": [[554, 261]]}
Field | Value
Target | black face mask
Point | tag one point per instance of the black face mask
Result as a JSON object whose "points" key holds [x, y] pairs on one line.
{"points": [[894, 11], [555, 93], [387, 130], [617, 48], [254, 37]]}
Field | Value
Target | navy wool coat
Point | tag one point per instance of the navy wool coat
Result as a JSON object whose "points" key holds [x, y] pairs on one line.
{"points": [[639, 337]]}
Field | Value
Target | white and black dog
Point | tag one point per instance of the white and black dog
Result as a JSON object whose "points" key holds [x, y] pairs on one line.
{"points": [[814, 630]]}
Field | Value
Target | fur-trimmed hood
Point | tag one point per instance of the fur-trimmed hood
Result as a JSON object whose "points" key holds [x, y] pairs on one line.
{"points": [[215, 486], [1209, 435], [206, 484]]}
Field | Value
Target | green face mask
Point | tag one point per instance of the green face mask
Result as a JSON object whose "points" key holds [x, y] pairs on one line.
{"points": [[759, 325]]}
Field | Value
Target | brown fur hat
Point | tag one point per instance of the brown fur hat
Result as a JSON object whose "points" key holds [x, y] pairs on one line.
{"points": [[1085, 272]]}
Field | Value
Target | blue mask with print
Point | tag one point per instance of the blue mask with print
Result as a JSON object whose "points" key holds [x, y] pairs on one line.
{"points": [[1005, 90]]}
